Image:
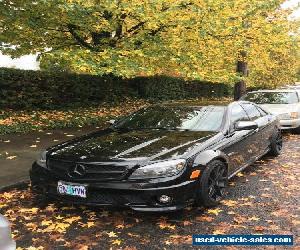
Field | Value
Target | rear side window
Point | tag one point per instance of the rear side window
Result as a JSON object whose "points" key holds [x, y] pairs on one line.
{"points": [[252, 111]]}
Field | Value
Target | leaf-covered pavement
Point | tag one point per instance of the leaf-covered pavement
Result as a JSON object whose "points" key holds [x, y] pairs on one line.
{"points": [[263, 199]]}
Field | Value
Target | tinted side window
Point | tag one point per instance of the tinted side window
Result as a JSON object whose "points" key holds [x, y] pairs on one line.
{"points": [[238, 114], [252, 111]]}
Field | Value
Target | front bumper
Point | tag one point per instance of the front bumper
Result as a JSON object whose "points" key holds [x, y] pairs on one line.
{"points": [[289, 124], [135, 195]]}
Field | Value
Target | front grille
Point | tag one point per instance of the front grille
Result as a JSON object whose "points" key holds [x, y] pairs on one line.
{"points": [[92, 172]]}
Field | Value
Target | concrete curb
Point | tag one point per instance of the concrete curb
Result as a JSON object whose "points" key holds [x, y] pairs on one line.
{"points": [[19, 184]]}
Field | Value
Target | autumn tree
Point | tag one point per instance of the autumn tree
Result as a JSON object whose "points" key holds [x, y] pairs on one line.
{"points": [[198, 39]]}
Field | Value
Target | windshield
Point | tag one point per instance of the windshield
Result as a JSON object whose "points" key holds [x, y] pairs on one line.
{"points": [[181, 118], [272, 97]]}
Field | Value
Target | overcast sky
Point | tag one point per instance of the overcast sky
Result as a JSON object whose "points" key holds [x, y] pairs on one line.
{"points": [[29, 61]]}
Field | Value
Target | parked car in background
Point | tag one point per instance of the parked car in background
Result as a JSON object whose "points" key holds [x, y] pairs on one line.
{"points": [[285, 103], [295, 86], [160, 158]]}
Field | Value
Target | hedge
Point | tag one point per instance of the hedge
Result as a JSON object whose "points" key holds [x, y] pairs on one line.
{"points": [[27, 89]]}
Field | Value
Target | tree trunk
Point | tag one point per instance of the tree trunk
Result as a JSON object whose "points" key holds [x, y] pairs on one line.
{"points": [[239, 89], [242, 68]]}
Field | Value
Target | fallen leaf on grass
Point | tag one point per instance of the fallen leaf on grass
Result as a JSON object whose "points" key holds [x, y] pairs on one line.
{"points": [[214, 211], [46, 222], [253, 218], [120, 226], [204, 218], [33, 210], [11, 157], [230, 212], [90, 224], [266, 195], [259, 228], [229, 203], [31, 226], [117, 242], [219, 231], [239, 219], [112, 234], [163, 225]]}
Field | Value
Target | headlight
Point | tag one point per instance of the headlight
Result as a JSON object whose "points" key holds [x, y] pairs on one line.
{"points": [[41, 160], [294, 115], [159, 169]]}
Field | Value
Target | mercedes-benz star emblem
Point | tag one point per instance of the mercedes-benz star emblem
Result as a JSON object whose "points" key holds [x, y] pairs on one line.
{"points": [[77, 171]]}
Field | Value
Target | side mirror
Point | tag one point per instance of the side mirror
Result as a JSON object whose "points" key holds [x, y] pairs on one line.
{"points": [[245, 125]]}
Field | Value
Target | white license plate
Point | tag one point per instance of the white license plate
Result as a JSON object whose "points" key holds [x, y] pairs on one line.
{"points": [[73, 189]]}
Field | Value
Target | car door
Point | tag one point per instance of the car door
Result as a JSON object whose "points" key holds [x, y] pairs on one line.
{"points": [[261, 138], [268, 128], [237, 144]]}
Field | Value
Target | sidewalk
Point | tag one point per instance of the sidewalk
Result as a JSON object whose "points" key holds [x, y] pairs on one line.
{"points": [[18, 151]]}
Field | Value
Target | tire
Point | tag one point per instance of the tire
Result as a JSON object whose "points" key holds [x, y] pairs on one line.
{"points": [[276, 144], [213, 182]]}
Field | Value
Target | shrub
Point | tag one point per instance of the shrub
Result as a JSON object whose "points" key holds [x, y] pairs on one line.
{"points": [[26, 89]]}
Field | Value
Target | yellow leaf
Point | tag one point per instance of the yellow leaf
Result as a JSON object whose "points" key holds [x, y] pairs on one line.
{"points": [[46, 222], [214, 211], [117, 242], [11, 157], [253, 218], [112, 234]]}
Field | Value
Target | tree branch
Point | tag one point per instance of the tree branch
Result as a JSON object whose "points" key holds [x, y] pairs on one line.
{"points": [[79, 39], [136, 27]]}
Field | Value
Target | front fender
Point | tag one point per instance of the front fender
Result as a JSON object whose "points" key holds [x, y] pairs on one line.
{"points": [[203, 158]]}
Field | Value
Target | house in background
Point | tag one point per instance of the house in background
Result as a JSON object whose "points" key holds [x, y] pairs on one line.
{"points": [[23, 62]]}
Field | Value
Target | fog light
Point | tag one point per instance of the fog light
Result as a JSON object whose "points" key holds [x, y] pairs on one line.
{"points": [[165, 199]]}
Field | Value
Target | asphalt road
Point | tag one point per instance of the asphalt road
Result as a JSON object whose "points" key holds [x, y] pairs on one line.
{"points": [[18, 151], [263, 199]]}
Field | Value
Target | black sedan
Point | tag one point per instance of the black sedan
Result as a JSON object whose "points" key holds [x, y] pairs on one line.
{"points": [[160, 158]]}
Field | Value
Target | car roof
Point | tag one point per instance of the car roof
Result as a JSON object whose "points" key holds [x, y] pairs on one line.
{"points": [[197, 103], [273, 91]]}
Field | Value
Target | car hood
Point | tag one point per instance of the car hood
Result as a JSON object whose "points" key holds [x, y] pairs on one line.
{"points": [[138, 145], [280, 108]]}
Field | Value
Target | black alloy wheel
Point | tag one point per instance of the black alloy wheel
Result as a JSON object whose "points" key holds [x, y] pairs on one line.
{"points": [[216, 183], [276, 144], [213, 182], [279, 141]]}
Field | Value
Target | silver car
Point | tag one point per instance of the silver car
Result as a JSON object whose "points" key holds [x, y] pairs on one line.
{"points": [[285, 103]]}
